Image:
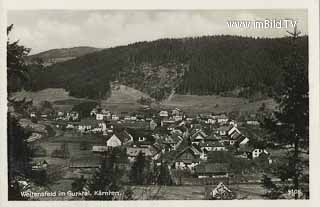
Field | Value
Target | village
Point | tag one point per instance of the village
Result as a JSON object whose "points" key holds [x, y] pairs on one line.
{"points": [[199, 150]]}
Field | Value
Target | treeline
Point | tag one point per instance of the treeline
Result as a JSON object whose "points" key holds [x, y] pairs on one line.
{"points": [[216, 64]]}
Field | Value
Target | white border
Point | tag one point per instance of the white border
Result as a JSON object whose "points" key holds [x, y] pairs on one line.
{"points": [[313, 27]]}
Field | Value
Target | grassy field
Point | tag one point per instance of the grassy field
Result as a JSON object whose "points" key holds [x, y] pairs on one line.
{"points": [[244, 191], [124, 99], [217, 104]]}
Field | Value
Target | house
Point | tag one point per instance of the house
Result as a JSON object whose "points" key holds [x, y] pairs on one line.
{"points": [[73, 116], [142, 137], [114, 141], [210, 146], [153, 124], [99, 116], [172, 142], [163, 114], [222, 130], [221, 118], [34, 136], [213, 137], [242, 140], [221, 192], [88, 124], [251, 152], [70, 126], [232, 131], [96, 148], [33, 115], [115, 117], [188, 158], [119, 138], [197, 136], [60, 113], [40, 165], [258, 152], [176, 112], [211, 170], [93, 112], [168, 123], [178, 118], [211, 121], [149, 152], [253, 122]]}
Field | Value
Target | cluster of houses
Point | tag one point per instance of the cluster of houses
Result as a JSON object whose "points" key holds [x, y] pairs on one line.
{"points": [[184, 144], [183, 141]]}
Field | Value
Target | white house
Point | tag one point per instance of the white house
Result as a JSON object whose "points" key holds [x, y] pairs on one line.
{"points": [[99, 116], [115, 117], [163, 114], [233, 130], [257, 152], [114, 141]]}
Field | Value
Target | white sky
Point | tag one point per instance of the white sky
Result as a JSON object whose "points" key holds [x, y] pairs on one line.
{"points": [[48, 29]]}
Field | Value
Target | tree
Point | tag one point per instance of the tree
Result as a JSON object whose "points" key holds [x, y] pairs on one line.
{"points": [[289, 126], [84, 108], [78, 184], [137, 173], [18, 151], [17, 72], [107, 178]]}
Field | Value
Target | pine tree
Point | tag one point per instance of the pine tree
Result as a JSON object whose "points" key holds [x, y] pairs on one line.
{"points": [[290, 125], [18, 151], [106, 178], [137, 173], [17, 72]]}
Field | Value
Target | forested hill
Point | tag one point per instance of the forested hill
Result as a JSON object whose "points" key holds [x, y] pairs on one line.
{"points": [[203, 65], [59, 55]]}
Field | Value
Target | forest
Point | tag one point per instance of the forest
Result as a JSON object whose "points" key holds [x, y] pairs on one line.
{"points": [[222, 65]]}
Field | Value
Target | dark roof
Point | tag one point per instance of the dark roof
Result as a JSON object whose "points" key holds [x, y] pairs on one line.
{"points": [[90, 121], [195, 152], [148, 151], [224, 128], [211, 167], [172, 139], [194, 134], [212, 137], [240, 138], [245, 148], [211, 144]]}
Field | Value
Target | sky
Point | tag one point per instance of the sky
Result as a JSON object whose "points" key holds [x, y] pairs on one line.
{"points": [[42, 30]]}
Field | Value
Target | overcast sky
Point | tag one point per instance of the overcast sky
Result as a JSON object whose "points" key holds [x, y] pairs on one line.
{"points": [[48, 29]]}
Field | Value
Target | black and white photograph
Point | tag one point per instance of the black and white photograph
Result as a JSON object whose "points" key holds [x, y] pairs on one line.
{"points": [[161, 104]]}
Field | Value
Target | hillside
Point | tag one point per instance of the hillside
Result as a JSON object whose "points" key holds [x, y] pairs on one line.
{"points": [[210, 65], [59, 55]]}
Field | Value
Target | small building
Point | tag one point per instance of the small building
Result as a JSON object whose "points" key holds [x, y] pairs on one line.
{"points": [[210, 146], [222, 130], [96, 148], [251, 152], [153, 124], [149, 152], [40, 165], [114, 141], [253, 122], [197, 136], [222, 192], [233, 131], [172, 142], [221, 118], [119, 138], [163, 114], [188, 158], [211, 170], [33, 115]]}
